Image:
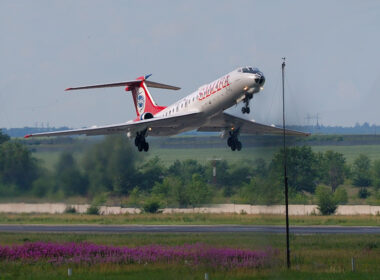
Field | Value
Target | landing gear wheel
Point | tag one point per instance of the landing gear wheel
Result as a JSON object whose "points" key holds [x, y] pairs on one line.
{"points": [[245, 110], [233, 141], [146, 147], [229, 142], [233, 147], [238, 146], [140, 146]]}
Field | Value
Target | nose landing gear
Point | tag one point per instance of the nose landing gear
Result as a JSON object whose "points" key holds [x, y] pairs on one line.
{"points": [[140, 142], [246, 109], [233, 141]]}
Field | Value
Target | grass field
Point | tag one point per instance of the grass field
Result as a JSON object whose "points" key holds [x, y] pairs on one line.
{"points": [[188, 219], [168, 156], [312, 257]]}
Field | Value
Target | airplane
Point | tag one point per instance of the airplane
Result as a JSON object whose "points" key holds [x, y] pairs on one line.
{"points": [[202, 110]]}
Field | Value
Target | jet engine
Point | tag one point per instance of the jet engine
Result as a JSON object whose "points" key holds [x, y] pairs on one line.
{"points": [[146, 116]]}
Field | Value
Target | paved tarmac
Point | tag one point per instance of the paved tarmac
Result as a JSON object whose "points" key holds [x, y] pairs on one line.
{"points": [[187, 229]]}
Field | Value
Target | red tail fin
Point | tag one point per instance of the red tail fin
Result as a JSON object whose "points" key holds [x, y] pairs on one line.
{"points": [[144, 103]]}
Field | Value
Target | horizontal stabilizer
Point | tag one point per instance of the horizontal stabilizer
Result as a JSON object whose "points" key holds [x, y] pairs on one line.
{"points": [[133, 83]]}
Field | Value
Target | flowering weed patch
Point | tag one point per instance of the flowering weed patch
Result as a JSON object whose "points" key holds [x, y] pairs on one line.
{"points": [[87, 253]]}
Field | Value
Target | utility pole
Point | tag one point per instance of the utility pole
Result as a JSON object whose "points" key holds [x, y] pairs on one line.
{"points": [[285, 174]]}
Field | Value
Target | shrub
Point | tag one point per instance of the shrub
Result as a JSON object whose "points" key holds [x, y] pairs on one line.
{"points": [[93, 210], [151, 206], [70, 210], [363, 193], [326, 201], [341, 196]]}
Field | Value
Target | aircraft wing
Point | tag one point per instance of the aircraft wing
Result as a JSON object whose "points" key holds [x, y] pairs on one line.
{"points": [[155, 127], [226, 121]]}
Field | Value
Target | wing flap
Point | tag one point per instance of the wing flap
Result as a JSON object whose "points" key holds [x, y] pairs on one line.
{"points": [[226, 121]]}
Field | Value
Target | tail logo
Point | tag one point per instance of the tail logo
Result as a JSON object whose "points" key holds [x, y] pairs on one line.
{"points": [[141, 101]]}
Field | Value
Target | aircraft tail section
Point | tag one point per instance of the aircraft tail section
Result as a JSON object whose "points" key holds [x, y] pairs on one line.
{"points": [[145, 106]]}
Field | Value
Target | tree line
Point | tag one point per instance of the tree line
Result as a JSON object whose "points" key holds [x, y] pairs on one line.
{"points": [[112, 167]]}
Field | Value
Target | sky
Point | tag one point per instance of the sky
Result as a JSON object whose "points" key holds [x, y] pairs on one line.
{"points": [[332, 50]]}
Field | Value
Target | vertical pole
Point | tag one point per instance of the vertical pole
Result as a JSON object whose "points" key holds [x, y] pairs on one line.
{"points": [[214, 171], [285, 174]]}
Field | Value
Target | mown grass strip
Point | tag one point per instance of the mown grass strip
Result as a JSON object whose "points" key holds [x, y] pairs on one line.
{"points": [[188, 219]]}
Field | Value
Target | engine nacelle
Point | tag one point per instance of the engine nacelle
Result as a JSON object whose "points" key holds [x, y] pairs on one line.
{"points": [[146, 116]]}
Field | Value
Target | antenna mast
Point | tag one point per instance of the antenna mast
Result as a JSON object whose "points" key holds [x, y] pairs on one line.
{"points": [[285, 173]]}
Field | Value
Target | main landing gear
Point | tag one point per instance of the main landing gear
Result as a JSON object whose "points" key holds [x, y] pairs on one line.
{"points": [[246, 109], [233, 141], [140, 142]]}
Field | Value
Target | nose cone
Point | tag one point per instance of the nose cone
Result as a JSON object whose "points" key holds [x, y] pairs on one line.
{"points": [[260, 79]]}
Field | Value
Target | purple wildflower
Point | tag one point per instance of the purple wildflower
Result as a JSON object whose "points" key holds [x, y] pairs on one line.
{"points": [[88, 253]]}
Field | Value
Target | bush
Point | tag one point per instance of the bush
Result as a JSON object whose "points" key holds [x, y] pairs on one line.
{"points": [[260, 191], [151, 206], [43, 186], [70, 210], [363, 193], [9, 190], [134, 197], [326, 201], [97, 201], [93, 210], [341, 196]]}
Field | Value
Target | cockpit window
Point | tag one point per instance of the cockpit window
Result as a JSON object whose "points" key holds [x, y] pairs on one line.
{"points": [[250, 70]]}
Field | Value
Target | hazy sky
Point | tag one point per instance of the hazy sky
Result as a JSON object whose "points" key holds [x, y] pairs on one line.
{"points": [[332, 50]]}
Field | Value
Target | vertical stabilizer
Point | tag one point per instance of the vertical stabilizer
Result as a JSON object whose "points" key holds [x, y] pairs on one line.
{"points": [[144, 102]]}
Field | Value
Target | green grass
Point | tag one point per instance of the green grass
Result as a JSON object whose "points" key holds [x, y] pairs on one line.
{"points": [[188, 219], [352, 152], [312, 256], [168, 156]]}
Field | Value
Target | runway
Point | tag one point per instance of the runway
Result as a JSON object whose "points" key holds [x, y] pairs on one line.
{"points": [[120, 229]]}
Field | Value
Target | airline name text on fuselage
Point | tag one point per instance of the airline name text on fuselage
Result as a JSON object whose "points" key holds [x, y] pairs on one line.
{"points": [[214, 87]]}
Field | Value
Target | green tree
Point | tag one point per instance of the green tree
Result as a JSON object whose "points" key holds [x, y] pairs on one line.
{"points": [[260, 168], [376, 174], [340, 195], [3, 137], [17, 166], [332, 165], [261, 191], [69, 178], [198, 191], [302, 168], [222, 172], [151, 172], [44, 184], [361, 171], [185, 169], [111, 166], [172, 192], [327, 204], [135, 196]]}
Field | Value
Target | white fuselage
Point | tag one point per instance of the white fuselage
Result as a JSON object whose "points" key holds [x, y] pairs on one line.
{"points": [[217, 96]]}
